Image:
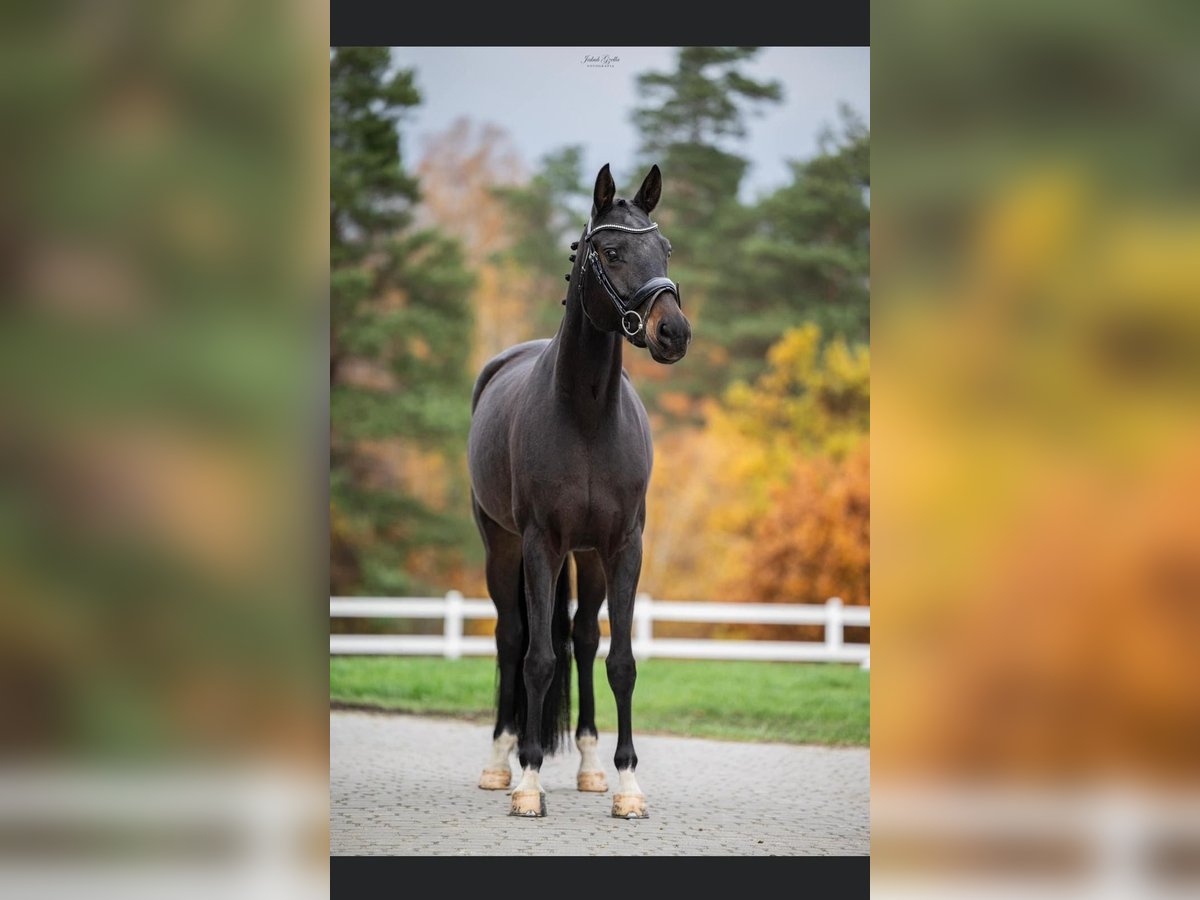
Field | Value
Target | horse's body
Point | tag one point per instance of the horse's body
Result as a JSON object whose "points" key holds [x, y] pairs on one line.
{"points": [[560, 458], [600, 496]]}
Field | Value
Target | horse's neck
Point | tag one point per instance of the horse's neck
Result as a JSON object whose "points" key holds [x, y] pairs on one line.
{"points": [[587, 366]]}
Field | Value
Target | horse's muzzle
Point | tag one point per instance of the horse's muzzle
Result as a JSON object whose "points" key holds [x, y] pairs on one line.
{"points": [[669, 352], [668, 333]]}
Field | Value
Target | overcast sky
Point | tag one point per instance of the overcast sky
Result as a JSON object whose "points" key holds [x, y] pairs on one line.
{"points": [[545, 97]]}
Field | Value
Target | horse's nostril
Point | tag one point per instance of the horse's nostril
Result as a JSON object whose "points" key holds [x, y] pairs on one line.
{"points": [[664, 331]]}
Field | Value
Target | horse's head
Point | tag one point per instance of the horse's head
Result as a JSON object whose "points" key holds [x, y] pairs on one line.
{"points": [[624, 283]]}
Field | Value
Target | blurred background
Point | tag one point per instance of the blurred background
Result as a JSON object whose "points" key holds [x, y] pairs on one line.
{"points": [[459, 178], [162, 534], [1036, 501]]}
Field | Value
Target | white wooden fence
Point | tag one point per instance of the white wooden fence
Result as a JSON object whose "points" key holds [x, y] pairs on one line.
{"points": [[453, 610]]}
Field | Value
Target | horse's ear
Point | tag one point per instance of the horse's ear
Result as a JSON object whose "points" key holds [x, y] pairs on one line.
{"points": [[602, 196], [650, 191]]}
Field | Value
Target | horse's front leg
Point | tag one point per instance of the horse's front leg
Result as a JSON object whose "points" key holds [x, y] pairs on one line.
{"points": [[542, 564], [623, 569]]}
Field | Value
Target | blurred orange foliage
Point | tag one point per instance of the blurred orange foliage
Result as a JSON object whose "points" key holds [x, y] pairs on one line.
{"points": [[458, 170], [1036, 501]]}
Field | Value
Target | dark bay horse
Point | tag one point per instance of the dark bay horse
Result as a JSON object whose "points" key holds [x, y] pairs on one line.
{"points": [[560, 457]]}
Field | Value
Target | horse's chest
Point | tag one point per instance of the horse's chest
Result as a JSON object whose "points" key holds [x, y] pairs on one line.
{"points": [[615, 481], [585, 486]]}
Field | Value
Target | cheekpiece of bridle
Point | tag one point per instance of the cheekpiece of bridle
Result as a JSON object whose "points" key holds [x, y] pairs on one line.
{"points": [[633, 317]]}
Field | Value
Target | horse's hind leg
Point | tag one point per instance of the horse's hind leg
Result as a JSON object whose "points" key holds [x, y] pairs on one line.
{"points": [[589, 574], [504, 584]]}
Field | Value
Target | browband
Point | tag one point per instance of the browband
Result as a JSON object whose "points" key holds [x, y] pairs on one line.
{"points": [[653, 226]]}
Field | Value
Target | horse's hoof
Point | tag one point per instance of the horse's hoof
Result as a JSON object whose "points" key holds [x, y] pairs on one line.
{"points": [[495, 779], [530, 804], [592, 781], [629, 806]]}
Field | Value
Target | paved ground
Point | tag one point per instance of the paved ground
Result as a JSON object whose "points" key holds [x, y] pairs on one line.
{"points": [[406, 786]]}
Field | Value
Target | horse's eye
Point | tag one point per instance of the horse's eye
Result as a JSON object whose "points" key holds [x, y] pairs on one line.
{"points": [[611, 254]]}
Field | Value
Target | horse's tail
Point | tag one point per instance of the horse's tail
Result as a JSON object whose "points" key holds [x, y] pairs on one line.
{"points": [[519, 704], [556, 713], [556, 709]]}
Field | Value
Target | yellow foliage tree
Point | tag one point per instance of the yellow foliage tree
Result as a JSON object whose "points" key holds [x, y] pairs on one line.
{"points": [[717, 491]]}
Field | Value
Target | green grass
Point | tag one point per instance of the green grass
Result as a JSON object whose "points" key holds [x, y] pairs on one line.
{"points": [[798, 703]]}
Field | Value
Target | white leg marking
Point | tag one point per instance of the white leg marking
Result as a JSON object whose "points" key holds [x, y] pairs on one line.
{"points": [[502, 747], [629, 784], [528, 798], [530, 781], [628, 800], [591, 775], [497, 775], [589, 761]]}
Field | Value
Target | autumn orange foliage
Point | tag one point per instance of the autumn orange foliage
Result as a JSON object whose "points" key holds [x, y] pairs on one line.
{"points": [[459, 169], [814, 542], [1039, 511]]}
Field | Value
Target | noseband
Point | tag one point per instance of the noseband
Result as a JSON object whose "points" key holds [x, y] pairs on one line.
{"points": [[633, 319]]}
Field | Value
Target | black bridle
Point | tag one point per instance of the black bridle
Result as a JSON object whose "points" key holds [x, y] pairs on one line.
{"points": [[633, 319]]}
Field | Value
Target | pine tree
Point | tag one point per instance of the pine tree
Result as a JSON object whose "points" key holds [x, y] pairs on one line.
{"points": [[547, 213], [689, 121], [400, 338], [751, 272], [803, 255], [689, 113]]}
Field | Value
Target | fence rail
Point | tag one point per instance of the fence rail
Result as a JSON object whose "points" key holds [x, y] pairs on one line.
{"points": [[454, 609]]}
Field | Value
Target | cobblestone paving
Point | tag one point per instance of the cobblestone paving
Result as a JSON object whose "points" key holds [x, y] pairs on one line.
{"points": [[406, 786]]}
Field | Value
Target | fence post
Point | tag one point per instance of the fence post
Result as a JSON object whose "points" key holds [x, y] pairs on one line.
{"points": [[643, 626], [454, 625], [833, 625]]}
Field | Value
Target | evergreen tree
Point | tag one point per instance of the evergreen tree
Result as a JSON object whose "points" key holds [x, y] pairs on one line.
{"points": [[751, 272], [547, 213], [803, 255], [400, 336], [688, 114], [689, 121]]}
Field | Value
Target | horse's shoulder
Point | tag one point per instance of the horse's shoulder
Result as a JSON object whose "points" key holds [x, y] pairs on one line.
{"points": [[502, 359], [629, 385], [636, 400]]}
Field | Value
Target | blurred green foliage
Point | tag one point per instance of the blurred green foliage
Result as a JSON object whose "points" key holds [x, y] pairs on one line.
{"points": [[686, 115], [162, 268], [802, 255], [400, 337], [751, 271], [545, 215]]}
